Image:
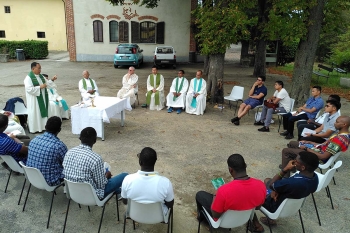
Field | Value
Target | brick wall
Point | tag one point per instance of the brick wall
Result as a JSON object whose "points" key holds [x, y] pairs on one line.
{"points": [[70, 30], [192, 40]]}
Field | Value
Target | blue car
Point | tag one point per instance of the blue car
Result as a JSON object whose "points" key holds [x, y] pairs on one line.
{"points": [[128, 55]]}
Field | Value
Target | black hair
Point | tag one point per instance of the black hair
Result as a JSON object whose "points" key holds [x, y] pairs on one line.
{"points": [[154, 67], [335, 103], [318, 88], [33, 65], [53, 125], [263, 78], [148, 157], [4, 121], [279, 83], [237, 163], [183, 72], [88, 136], [309, 160], [334, 97]]}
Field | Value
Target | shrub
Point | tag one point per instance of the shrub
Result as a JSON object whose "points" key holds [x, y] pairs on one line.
{"points": [[33, 49], [286, 53], [341, 58]]}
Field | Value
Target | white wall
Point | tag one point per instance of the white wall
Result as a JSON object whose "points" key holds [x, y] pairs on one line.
{"points": [[175, 14]]}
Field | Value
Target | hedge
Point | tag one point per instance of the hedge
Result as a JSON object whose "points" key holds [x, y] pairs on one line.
{"points": [[33, 49]]}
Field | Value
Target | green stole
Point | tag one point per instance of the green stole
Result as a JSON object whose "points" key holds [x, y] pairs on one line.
{"points": [[194, 100], [91, 82], [42, 106], [177, 90], [149, 93]]}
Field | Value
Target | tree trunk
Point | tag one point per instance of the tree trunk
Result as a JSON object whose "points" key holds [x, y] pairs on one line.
{"points": [[260, 57], [216, 71], [244, 50], [305, 55], [206, 65]]}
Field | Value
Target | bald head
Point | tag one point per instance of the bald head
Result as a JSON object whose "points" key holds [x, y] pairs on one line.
{"points": [[86, 74], [342, 123]]}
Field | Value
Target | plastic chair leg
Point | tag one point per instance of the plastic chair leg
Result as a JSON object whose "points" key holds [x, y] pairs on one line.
{"points": [[65, 220], [124, 223], [8, 180], [89, 208], [318, 217], [20, 197], [48, 220], [301, 221], [103, 211], [133, 223], [116, 199], [330, 196], [25, 202]]}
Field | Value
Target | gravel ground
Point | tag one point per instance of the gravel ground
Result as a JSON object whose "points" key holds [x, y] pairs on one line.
{"points": [[191, 151]]}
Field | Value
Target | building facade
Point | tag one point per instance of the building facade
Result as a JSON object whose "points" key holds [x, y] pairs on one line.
{"points": [[95, 28], [34, 20]]}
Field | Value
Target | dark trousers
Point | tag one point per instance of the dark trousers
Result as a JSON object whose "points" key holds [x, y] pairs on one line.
{"points": [[289, 119], [24, 138], [313, 139], [301, 125], [203, 200], [290, 153]]}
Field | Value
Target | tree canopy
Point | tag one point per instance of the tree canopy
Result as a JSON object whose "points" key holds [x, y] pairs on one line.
{"points": [[147, 3]]}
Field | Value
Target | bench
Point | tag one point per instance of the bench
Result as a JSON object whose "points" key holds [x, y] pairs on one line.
{"points": [[318, 73]]}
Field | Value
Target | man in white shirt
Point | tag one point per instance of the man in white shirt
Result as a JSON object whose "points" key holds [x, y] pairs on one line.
{"points": [[177, 95], [281, 99], [129, 88], [146, 185], [196, 98], [155, 90], [87, 86]]}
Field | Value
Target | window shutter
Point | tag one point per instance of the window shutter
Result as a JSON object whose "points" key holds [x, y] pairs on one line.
{"points": [[98, 31], [160, 32], [135, 32], [123, 32]]}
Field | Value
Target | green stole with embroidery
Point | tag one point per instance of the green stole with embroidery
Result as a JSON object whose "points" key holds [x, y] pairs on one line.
{"points": [[43, 106], [177, 90], [156, 94], [91, 82]]}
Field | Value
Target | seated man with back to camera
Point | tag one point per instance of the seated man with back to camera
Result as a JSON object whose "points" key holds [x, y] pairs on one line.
{"points": [[243, 193], [280, 98], [296, 187], [147, 186], [129, 89], [338, 142], [256, 97]]}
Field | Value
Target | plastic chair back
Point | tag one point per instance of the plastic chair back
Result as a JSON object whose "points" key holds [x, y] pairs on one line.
{"points": [[287, 208], [20, 109], [330, 161], [82, 193], [292, 101], [237, 92], [146, 213], [11, 162], [324, 180], [36, 178], [231, 218]]}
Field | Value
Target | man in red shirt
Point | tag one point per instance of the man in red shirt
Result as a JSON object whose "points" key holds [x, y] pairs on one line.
{"points": [[243, 193]]}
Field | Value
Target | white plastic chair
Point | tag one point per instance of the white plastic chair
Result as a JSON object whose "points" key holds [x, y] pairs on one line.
{"points": [[229, 219], [287, 208], [20, 109], [235, 96], [280, 115], [151, 213], [14, 166], [329, 163], [85, 194], [36, 178], [323, 182]]}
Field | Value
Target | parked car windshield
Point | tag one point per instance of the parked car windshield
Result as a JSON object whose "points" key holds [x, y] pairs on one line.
{"points": [[125, 50]]}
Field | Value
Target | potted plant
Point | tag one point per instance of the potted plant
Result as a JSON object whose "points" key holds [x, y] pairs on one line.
{"points": [[4, 56]]}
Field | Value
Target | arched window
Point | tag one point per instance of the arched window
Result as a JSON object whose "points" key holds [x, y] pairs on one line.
{"points": [[123, 32], [147, 32], [113, 31], [98, 31]]}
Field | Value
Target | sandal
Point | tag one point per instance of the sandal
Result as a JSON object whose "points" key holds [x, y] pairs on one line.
{"points": [[255, 229], [266, 221]]}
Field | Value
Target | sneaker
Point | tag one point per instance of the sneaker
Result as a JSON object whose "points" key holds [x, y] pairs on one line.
{"points": [[259, 123], [285, 133], [179, 111], [234, 119], [264, 129], [236, 122], [289, 136], [170, 110], [144, 106]]}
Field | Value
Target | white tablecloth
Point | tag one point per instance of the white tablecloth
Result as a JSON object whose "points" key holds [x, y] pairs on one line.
{"points": [[106, 108]]}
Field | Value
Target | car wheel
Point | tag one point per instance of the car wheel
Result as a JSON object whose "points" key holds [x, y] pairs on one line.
{"points": [[138, 65], [115, 66]]}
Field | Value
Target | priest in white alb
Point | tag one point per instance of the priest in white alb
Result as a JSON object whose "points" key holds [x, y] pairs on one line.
{"points": [[129, 88], [196, 98], [155, 90], [57, 105], [177, 95], [37, 98], [87, 87]]}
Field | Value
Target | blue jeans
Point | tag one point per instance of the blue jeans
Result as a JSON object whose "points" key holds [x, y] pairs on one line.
{"points": [[115, 183]]}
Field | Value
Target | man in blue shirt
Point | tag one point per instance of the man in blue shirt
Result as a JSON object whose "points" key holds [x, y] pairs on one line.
{"points": [[46, 152], [308, 111], [256, 98], [298, 186]]}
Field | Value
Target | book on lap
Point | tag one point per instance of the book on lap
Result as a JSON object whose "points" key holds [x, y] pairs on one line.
{"points": [[217, 182]]}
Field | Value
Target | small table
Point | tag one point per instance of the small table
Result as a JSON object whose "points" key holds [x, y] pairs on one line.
{"points": [[106, 108]]}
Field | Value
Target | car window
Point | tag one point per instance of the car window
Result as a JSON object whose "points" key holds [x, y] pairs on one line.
{"points": [[125, 50], [164, 50]]}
